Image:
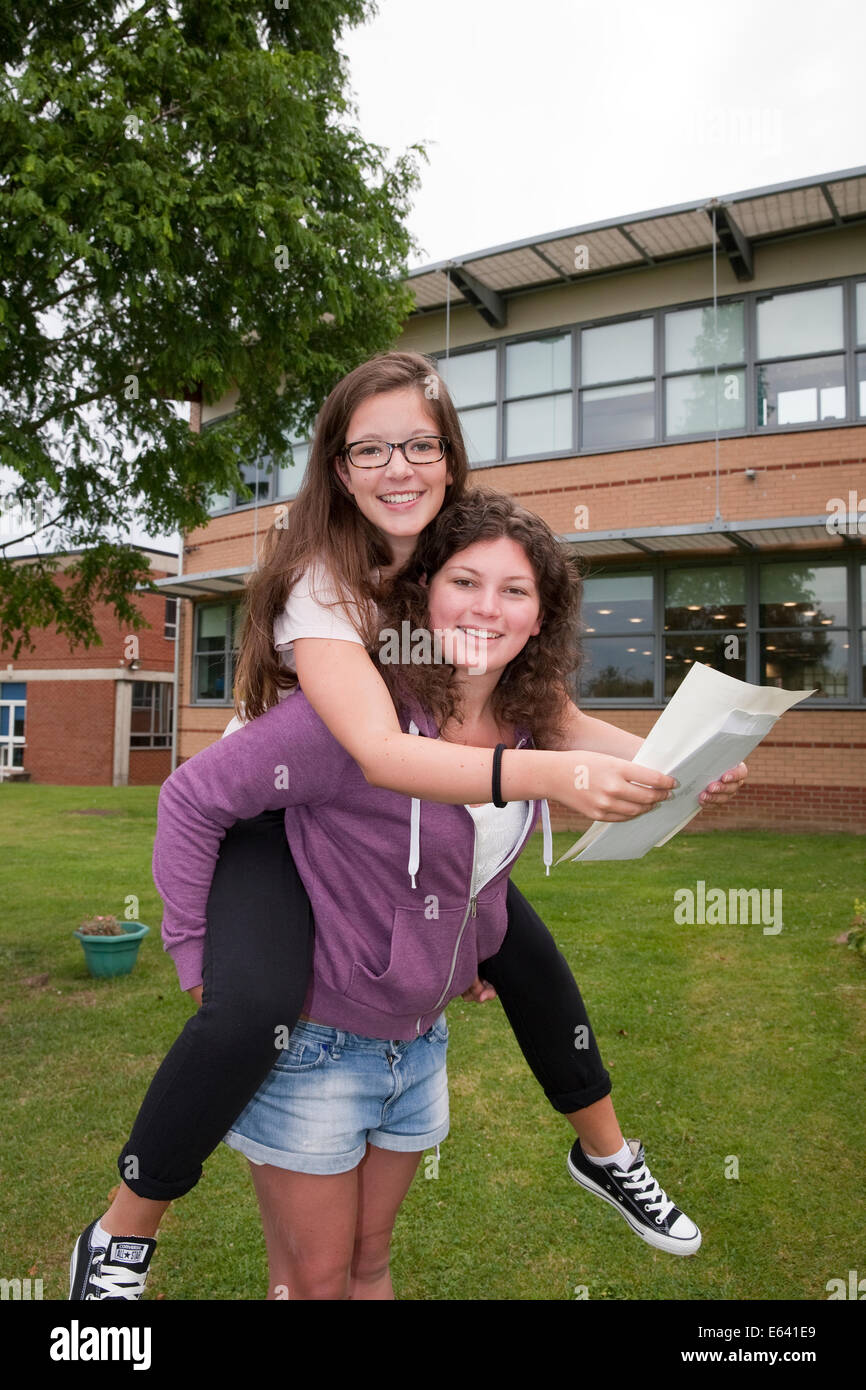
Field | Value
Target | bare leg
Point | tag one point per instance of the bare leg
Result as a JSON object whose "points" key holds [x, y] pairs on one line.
{"points": [[597, 1128], [384, 1178], [309, 1225], [131, 1215]]}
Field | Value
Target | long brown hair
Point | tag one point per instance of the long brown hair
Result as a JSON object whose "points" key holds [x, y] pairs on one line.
{"points": [[533, 689], [325, 524]]}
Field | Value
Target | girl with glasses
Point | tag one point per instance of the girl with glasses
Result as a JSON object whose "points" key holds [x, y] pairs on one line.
{"points": [[312, 621]]}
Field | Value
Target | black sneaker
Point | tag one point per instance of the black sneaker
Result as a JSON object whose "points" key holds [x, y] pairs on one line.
{"points": [[118, 1272], [636, 1195]]}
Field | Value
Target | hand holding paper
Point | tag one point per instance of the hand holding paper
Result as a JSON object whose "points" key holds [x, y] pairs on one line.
{"points": [[711, 723]]}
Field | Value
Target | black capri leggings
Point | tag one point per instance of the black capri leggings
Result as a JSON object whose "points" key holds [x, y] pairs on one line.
{"points": [[257, 962]]}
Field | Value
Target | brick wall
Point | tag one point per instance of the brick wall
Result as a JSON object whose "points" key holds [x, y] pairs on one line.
{"points": [[70, 732]]}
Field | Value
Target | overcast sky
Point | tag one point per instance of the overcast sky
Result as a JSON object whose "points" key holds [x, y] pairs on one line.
{"points": [[547, 115]]}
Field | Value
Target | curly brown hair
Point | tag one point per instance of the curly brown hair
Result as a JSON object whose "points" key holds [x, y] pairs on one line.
{"points": [[533, 689]]}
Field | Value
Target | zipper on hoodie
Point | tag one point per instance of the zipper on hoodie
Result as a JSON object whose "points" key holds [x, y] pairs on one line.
{"points": [[471, 909]]}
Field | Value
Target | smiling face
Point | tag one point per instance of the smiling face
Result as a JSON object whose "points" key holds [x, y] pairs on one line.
{"points": [[401, 498], [489, 595]]}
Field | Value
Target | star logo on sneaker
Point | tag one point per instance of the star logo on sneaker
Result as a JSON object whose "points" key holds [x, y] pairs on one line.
{"points": [[128, 1252]]}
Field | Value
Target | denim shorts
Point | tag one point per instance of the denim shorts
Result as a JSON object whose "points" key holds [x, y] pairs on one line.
{"points": [[332, 1093]]}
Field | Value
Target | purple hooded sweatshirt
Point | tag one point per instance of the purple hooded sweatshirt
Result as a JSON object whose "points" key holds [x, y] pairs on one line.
{"points": [[398, 933]]}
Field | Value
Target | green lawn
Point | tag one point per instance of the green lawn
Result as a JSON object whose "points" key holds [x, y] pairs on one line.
{"points": [[722, 1043]]}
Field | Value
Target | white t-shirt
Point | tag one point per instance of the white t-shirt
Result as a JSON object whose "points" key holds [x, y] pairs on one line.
{"points": [[307, 614], [497, 831]]}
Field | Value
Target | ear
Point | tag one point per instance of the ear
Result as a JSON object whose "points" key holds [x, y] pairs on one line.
{"points": [[343, 474], [537, 626]]}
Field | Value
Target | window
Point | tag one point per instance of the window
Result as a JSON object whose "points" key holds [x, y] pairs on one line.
{"points": [[775, 622], [803, 627], [291, 475], [217, 635], [705, 613], [693, 398], [151, 722], [617, 362], [806, 328], [265, 482], [538, 397], [619, 645], [471, 381], [860, 338], [170, 627], [13, 709]]}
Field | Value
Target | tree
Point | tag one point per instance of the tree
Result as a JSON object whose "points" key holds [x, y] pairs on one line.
{"points": [[185, 206]]}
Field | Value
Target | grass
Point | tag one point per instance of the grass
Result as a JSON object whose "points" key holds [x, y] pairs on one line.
{"points": [[728, 1049]]}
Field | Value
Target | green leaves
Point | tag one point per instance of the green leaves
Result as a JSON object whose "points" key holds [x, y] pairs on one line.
{"points": [[153, 162]]}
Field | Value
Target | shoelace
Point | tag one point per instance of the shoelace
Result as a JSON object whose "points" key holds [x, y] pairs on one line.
{"points": [[118, 1281], [643, 1178]]}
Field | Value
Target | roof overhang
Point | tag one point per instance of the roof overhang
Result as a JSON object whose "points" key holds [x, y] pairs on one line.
{"points": [[715, 537], [744, 220], [206, 584]]}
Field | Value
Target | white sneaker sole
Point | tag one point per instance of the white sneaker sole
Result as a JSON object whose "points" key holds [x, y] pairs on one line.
{"points": [[661, 1242]]}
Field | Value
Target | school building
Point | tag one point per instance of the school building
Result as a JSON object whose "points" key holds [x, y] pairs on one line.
{"points": [[681, 394], [99, 715]]}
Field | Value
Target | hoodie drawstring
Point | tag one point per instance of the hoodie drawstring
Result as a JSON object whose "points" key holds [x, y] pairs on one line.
{"points": [[548, 837], [414, 826]]}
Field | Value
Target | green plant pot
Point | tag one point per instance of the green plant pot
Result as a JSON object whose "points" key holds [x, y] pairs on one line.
{"points": [[112, 955]]}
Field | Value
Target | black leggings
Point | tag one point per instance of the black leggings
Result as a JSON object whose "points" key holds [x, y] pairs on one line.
{"points": [[257, 962]]}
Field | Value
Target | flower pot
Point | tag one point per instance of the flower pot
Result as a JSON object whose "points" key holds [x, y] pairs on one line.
{"points": [[112, 955]]}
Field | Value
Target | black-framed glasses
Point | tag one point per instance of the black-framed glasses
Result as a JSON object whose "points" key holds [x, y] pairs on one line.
{"points": [[376, 453]]}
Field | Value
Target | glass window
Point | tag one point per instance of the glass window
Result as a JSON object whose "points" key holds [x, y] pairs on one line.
{"points": [[861, 383], [217, 634], [690, 402], [255, 476], [803, 660], [538, 426], [809, 321], [151, 721], [617, 415], [617, 666], [541, 365], [541, 422], [478, 428], [860, 297], [291, 475], [795, 393], [798, 594], [709, 603], [617, 352], [691, 340], [470, 377], [170, 623], [219, 502], [471, 381], [618, 603], [706, 597]]}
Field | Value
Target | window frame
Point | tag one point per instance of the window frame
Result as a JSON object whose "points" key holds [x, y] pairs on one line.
{"points": [[155, 704], [228, 651], [660, 439], [851, 560], [271, 477]]}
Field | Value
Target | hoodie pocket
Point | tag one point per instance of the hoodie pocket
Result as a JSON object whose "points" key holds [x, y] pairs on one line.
{"points": [[423, 952]]}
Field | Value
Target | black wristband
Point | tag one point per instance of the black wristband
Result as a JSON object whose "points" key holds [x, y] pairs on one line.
{"points": [[497, 776]]}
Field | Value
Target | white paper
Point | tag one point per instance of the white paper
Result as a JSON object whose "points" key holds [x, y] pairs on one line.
{"points": [[712, 723]]}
